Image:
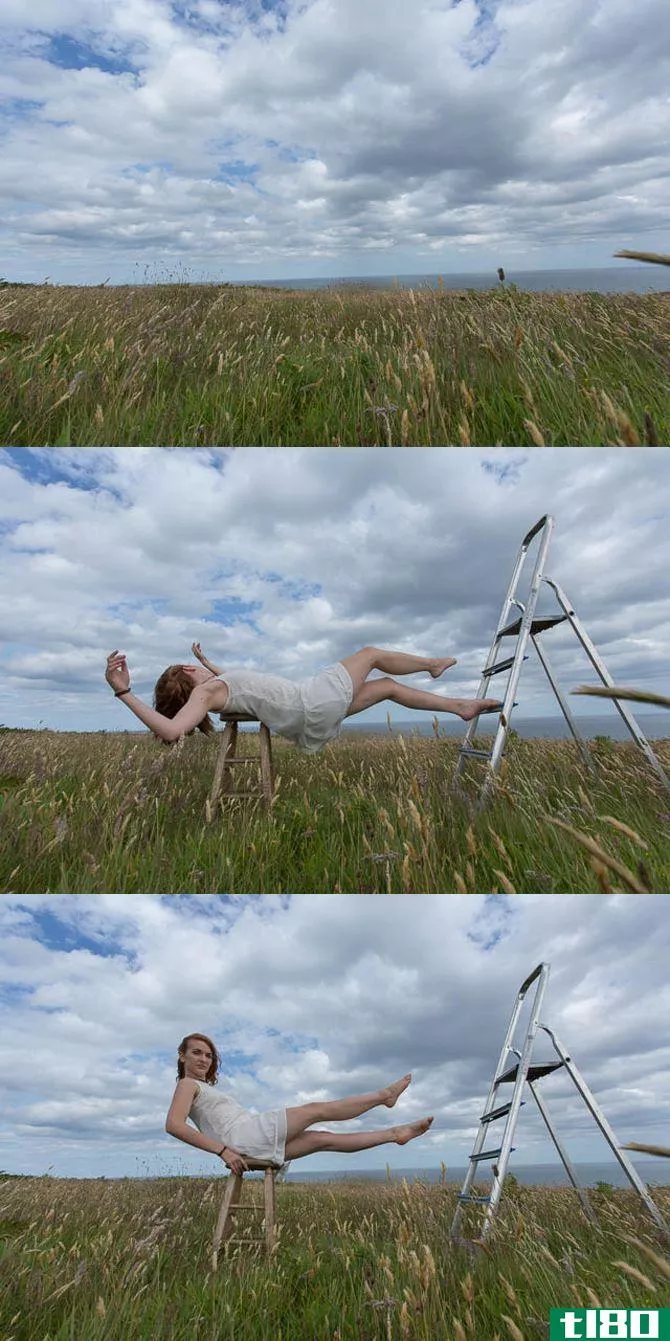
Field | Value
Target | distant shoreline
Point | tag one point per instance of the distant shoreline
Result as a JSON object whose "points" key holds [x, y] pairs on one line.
{"points": [[655, 726], [638, 278]]}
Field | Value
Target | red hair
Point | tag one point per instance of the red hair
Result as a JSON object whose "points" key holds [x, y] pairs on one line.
{"points": [[172, 690]]}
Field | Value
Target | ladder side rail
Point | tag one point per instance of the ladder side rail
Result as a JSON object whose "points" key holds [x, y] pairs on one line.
{"points": [[539, 975], [602, 671], [562, 702], [565, 1160], [528, 614], [488, 1107], [541, 972], [521, 1077], [546, 523], [601, 1121]]}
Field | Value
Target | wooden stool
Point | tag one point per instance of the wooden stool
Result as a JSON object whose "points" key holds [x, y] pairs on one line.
{"points": [[227, 757], [232, 1203]]}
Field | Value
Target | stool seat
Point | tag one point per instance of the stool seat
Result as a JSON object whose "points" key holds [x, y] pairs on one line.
{"points": [[232, 1203], [222, 783]]}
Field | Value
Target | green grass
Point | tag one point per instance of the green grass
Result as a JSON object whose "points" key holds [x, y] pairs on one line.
{"points": [[193, 365], [107, 1261], [95, 813]]}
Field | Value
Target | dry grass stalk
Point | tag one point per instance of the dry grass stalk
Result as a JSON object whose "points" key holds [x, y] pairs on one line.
{"points": [[636, 1275], [611, 691], [654, 257], [535, 433], [661, 1150], [661, 1263], [596, 851], [624, 828]]}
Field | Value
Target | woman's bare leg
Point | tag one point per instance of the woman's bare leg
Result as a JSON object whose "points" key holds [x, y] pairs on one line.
{"points": [[310, 1142], [360, 664], [378, 691], [341, 1110]]}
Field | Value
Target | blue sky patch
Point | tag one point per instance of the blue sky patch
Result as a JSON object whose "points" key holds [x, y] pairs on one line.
{"points": [[236, 171], [234, 611], [505, 472], [68, 53], [57, 934]]}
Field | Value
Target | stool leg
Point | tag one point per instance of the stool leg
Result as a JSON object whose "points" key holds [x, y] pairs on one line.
{"points": [[269, 1192], [224, 1224], [267, 770], [222, 779]]}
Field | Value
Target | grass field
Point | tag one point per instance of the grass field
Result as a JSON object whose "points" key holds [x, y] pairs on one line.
{"points": [[108, 1261], [95, 813], [191, 365]]}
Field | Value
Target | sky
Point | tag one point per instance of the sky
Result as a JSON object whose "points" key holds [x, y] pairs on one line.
{"points": [[288, 561], [318, 998], [272, 139]]}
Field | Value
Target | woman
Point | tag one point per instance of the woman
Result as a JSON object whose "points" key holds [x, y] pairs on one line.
{"points": [[226, 1129], [309, 714]]}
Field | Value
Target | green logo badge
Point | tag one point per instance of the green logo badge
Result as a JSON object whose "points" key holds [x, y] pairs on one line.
{"points": [[609, 1324]]}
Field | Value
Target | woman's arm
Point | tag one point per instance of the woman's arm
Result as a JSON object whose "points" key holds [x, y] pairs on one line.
{"points": [[209, 665], [167, 728], [170, 728], [176, 1125]]}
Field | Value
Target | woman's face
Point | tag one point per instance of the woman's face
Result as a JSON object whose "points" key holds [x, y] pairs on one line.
{"points": [[197, 1059]]}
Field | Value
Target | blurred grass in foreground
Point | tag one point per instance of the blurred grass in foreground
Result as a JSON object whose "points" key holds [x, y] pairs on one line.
{"points": [[192, 365], [355, 1261], [95, 813]]}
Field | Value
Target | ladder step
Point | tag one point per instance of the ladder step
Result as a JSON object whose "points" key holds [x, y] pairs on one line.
{"points": [[534, 1072], [243, 759], [501, 666], [245, 1241], [537, 626], [479, 1201], [498, 1112], [475, 754], [489, 1154], [244, 1206]]}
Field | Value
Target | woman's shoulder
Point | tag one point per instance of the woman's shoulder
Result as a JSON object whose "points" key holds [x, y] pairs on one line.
{"points": [[188, 1085]]}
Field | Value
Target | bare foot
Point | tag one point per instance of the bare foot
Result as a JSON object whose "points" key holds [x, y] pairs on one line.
{"points": [[467, 708], [392, 1093], [440, 664], [412, 1130]]}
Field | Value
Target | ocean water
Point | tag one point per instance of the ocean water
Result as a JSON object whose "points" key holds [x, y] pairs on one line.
{"points": [[653, 1172], [653, 725], [641, 278]]}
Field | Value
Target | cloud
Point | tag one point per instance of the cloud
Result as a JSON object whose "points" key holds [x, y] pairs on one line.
{"points": [[288, 561], [331, 137], [315, 998]]}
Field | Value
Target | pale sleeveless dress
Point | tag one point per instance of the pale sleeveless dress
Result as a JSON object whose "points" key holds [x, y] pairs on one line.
{"points": [[258, 1135], [309, 713]]}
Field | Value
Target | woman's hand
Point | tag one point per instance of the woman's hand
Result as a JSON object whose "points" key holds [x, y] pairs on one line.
{"points": [[198, 652], [117, 674], [235, 1162]]}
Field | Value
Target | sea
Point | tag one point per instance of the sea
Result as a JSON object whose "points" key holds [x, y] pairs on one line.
{"points": [[653, 1172], [655, 726], [641, 279]]}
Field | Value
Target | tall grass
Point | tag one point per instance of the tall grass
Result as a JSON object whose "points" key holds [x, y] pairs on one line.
{"points": [[93, 813], [107, 1261], [189, 365]]}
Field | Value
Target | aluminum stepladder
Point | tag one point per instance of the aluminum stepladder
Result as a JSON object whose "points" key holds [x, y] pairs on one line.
{"points": [[523, 1072], [526, 627]]}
